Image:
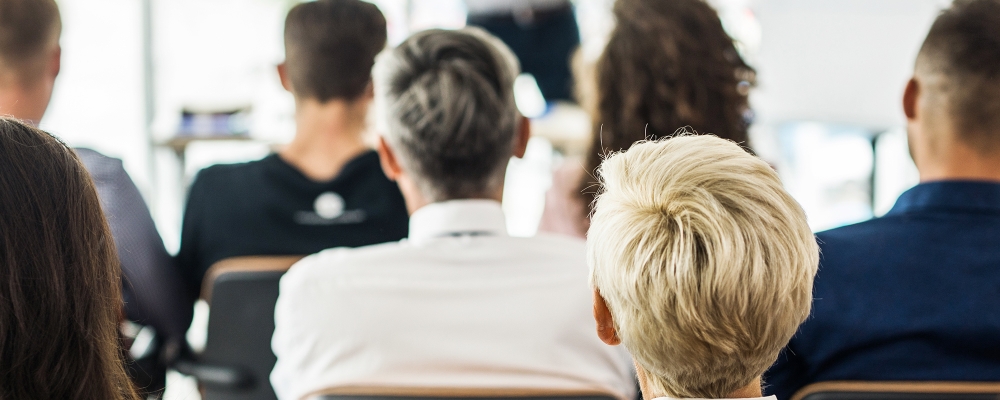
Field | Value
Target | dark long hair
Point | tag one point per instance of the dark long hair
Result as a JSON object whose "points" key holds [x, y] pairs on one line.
{"points": [[60, 281], [669, 64]]}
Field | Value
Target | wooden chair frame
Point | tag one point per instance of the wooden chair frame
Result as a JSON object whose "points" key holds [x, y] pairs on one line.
{"points": [[458, 393], [246, 263]]}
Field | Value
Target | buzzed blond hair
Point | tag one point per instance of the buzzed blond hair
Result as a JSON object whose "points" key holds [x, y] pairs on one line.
{"points": [[704, 261]]}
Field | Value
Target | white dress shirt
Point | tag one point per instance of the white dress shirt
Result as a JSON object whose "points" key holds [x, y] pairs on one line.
{"points": [[459, 304]]}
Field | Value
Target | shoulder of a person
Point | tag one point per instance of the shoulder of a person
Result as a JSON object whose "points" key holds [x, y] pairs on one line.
{"points": [[98, 163], [557, 246], [848, 251], [857, 234], [563, 241], [221, 173], [571, 170], [343, 260], [370, 164], [91, 154]]}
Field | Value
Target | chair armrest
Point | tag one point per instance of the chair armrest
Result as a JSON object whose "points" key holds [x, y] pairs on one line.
{"points": [[215, 376]]}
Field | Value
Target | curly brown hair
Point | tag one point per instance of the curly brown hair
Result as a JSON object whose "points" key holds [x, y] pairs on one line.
{"points": [[668, 64]]}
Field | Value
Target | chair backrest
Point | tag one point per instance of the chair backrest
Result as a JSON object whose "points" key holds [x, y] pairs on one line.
{"points": [[382, 393], [240, 325], [865, 390]]}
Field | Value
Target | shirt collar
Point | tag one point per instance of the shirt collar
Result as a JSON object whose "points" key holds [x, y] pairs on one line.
{"points": [[456, 218], [954, 196]]}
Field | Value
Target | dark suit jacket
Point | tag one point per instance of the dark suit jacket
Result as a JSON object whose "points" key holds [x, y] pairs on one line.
{"points": [[913, 295]]}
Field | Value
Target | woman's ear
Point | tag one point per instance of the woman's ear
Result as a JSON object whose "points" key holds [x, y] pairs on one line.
{"points": [[605, 321]]}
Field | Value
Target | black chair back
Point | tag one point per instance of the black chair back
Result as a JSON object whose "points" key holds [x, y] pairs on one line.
{"points": [[237, 360], [860, 390]]}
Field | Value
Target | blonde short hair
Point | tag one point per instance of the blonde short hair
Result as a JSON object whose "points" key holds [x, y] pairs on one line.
{"points": [[704, 261]]}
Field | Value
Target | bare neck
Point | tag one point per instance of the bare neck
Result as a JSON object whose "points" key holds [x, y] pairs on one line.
{"points": [[415, 199], [750, 391], [24, 103], [327, 136], [958, 161]]}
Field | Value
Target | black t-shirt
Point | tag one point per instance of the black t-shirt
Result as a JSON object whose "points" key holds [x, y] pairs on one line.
{"points": [[267, 207]]}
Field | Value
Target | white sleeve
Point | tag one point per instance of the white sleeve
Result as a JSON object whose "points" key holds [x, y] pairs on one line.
{"points": [[290, 311]]}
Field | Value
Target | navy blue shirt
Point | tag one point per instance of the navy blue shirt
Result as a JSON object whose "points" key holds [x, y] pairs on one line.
{"points": [[913, 295]]}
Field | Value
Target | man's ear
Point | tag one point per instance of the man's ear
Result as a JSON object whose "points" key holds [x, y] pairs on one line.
{"points": [[55, 63], [605, 321], [283, 76], [370, 89], [910, 97], [390, 165], [523, 135]]}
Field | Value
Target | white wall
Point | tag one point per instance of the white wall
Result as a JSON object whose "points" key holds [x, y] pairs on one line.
{"points": [[98, 97], [843, 61]]}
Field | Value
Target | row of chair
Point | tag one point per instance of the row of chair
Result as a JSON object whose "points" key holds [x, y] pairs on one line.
{"points": [[237, 358]]}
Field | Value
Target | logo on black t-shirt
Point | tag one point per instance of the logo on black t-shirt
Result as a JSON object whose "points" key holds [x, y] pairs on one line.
{"points": [[328, 209], [329, 205]]}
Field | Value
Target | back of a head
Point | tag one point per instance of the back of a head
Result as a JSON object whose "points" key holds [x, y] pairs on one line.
{"points": [[704, 261], [450, 110], [667, 65], [330, 47], [960, 66], [61, 286], [27, 29]]}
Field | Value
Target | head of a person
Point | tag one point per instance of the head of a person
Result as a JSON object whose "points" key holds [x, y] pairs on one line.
{"points": [[953, 100], [330, 48], [61, 285], [452, 125], [667, 65], [702, 265], [29, 56]]}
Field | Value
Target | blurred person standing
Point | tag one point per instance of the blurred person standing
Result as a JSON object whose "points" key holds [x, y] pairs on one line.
{"points": [[667, 65], [915, 295], [325, 188], [702, 266], [543, 34], [60, 281], [29, 63], [459, 304]]}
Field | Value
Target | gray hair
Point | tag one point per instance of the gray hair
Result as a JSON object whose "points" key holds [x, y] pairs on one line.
{"points": [[449, 104]]}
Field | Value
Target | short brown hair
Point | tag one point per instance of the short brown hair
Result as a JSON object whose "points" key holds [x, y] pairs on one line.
{"points": [[27, 29], [330, 47], [667, 65], [963, 50], [60, 279]]}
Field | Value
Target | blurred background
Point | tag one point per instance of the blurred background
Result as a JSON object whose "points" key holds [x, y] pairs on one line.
{"points": [[172, 86]]}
